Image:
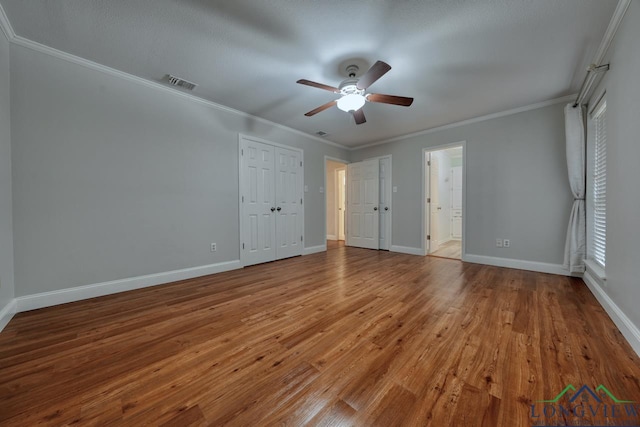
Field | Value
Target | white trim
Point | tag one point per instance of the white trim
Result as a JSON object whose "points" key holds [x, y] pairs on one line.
{"points": [[63, 296], [423, 196], [331, 237], [29, 44], [535, 106], [7, 313], [406, 250], [624, 324], [314, 249], [540, 267], [7, 29]]}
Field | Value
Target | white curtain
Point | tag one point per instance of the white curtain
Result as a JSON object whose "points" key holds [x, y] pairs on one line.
{"points": [[575, 246]]}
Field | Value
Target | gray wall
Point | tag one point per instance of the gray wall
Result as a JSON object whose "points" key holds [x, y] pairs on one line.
{"points": [[623, 174], [114, 179], [6, 227], [517, 186]]}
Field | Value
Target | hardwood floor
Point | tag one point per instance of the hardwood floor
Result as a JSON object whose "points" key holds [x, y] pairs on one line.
{"points": [[346, 337], [451, 249]]}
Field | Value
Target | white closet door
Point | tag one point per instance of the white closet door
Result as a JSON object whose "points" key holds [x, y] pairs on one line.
{"points": [[384, 206], [288, 203], [259, 236], [362, 204]]}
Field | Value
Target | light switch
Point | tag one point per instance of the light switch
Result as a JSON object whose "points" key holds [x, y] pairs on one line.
{"points": [[395, 189], [322, 189]]}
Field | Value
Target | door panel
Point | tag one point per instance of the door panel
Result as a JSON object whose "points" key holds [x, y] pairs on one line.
{"points": [[384, 204], [341, 177], [362, 204], [434, 206], [288, 204], [257, 190]]}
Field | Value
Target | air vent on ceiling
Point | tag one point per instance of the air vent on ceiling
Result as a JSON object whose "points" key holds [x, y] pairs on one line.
{"points": [[321, 133], [177, 81]]}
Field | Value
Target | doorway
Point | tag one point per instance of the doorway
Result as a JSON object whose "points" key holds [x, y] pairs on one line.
{"points": [[444, 201], [335, 198]]}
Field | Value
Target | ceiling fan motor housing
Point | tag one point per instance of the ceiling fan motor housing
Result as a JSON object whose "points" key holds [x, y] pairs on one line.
{"points": [[348, 87]]}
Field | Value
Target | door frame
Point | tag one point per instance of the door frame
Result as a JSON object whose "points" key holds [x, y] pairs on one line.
{"points": [[241, 138], [423, 195], [324, 198]]}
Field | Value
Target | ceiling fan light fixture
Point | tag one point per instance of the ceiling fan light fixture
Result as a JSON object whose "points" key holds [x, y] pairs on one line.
{"points": [[351, 102]]}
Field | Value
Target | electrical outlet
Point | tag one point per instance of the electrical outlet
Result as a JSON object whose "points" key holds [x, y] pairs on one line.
{"points": [[499, 243], [214, 247], [506, 243]]}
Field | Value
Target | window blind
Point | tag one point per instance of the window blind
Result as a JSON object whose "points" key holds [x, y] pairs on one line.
{"points": [[600, 186]]}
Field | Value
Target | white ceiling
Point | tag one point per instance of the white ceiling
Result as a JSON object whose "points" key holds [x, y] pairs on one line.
{"points": [[458, 59]]}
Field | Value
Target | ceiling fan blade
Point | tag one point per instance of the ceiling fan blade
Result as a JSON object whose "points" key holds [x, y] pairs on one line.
{"points": [[376, 71], [321, 108], [358, 115], [318, 85], [389, 99]]}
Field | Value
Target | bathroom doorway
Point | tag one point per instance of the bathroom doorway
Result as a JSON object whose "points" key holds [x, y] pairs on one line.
{"points": [[444, 201]]}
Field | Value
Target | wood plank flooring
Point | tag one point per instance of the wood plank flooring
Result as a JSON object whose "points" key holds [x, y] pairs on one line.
{"points": [[451, 249], [346, 337]]}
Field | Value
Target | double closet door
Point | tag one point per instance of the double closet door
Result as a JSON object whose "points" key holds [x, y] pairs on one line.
{"points": [[271, 202], [369, 204]]}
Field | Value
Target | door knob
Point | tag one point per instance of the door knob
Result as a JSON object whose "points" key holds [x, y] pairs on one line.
{"points": [[279, 209], [375, 208], [386, 208], [273, 209]]}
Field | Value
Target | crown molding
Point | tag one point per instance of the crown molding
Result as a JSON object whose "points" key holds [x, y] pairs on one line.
{"points": [[5, 25], [7, 29], [567, 98]]}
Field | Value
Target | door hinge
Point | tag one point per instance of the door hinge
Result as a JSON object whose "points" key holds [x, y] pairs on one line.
{"points": [[242, 152], [300, 164], [428, 237], [243, 246], [300, 201], [428, 199], [428, 162], [301, 238], [242, 199]]}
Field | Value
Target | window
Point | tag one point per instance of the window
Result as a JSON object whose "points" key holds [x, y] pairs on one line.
{"points": [[599, 189]]}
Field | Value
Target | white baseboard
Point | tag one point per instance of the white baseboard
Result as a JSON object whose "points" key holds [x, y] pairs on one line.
{"points": [[7, 313], [331, 237], [406, 250], [624, 324], [540, 267], [314, 249], [47, 299]]}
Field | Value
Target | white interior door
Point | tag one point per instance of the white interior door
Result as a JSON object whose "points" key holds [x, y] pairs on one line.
{"points": [[342, 182], [434, 206], [456, 202], [258, 198], [362, 204], [384, 203], [288, 196]]}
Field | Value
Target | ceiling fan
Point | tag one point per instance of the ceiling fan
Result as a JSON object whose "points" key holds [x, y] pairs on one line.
{"points": [[353, 92]]}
